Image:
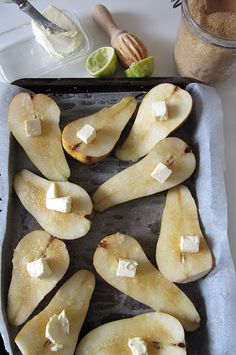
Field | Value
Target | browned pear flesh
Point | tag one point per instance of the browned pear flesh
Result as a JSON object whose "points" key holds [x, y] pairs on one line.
{"points": [[136, 181], [149, 286], [25, 292], [180, 218], [162, 333], [147, 131], [31, 190], [73, 297], [45, 151], [108, 123]]}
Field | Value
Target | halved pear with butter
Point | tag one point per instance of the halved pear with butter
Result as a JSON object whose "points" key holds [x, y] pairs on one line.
{"points": [[108, 123], [148, 286], [160, 332], [180, 218], [45, 150], [26, 292], [136, 181], [148, 130], [31, 190], [73, 298]]}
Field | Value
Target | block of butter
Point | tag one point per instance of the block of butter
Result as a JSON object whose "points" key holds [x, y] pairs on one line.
{"points": [[59, 44]]}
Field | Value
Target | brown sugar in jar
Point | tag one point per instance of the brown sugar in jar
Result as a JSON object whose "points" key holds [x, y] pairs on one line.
{"points": [[205, 47]]}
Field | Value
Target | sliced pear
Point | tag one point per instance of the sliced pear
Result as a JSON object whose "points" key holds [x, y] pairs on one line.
{"points": [[73, 297], [25, 292], [149, 286], [136, 181], [162, 333], [148, 131], [45, 151], [108, 123], [31, 190], [180, 218]]}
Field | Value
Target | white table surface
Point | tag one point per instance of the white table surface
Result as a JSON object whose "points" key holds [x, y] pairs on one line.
{"points": [[155, 22]]}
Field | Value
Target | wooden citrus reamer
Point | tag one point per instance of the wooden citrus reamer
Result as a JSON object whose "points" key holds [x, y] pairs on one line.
{"points": [[128, 47]]}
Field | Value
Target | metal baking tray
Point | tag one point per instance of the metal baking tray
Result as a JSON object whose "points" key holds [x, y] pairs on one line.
{"points": [[140, 218]]}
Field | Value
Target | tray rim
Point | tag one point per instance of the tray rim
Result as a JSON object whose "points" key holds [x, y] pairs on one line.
{"points": [[73, 85]]}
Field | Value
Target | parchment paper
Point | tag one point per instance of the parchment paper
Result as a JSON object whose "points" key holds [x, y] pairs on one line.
{"points": [[214, 296]]}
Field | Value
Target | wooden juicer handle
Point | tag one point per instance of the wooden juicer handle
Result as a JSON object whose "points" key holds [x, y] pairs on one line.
{"points": [[128, 47], [105, 21]]}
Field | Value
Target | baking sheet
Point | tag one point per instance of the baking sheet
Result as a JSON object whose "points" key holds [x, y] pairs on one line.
{"points": [[213, 296]]}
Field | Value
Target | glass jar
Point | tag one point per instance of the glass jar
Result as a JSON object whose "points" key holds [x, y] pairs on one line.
{"points": [[201, 54]]}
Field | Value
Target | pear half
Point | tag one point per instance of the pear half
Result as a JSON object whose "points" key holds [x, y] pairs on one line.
{"points": [[136, 181], [108, 123], [180, 218], [31, 190], [45, 151], [148, 131], [73, 297], [149, 286], [25, 292], [162, 333]]}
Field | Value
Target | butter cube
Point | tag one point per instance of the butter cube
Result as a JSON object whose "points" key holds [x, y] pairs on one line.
{"points": [[190, 244], [160, 110], [138, 346], [33, 127], [60, 204], [38, 269], [87, 134], [56, 347], [52, 191], [57, 327], [127, 268], [161, 173]]}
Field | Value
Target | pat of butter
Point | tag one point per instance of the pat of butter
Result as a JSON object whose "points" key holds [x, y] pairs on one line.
{"points": [[33, 127], [190, 244], [127, 268], [59, 204], [138, 346], [56, 347], [38, 269], [52, 191], [56, 329], [60, 44], [161, 173], [160, 110], [87, 133]]}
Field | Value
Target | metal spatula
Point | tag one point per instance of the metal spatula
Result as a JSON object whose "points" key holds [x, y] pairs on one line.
{"points": [[30, 10]]}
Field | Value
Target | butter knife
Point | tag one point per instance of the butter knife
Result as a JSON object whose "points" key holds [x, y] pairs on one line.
{"points": [[30, 10]]}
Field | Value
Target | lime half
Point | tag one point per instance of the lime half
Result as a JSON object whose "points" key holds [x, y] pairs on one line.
{"points": [[102, 62], [141, 69]]}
